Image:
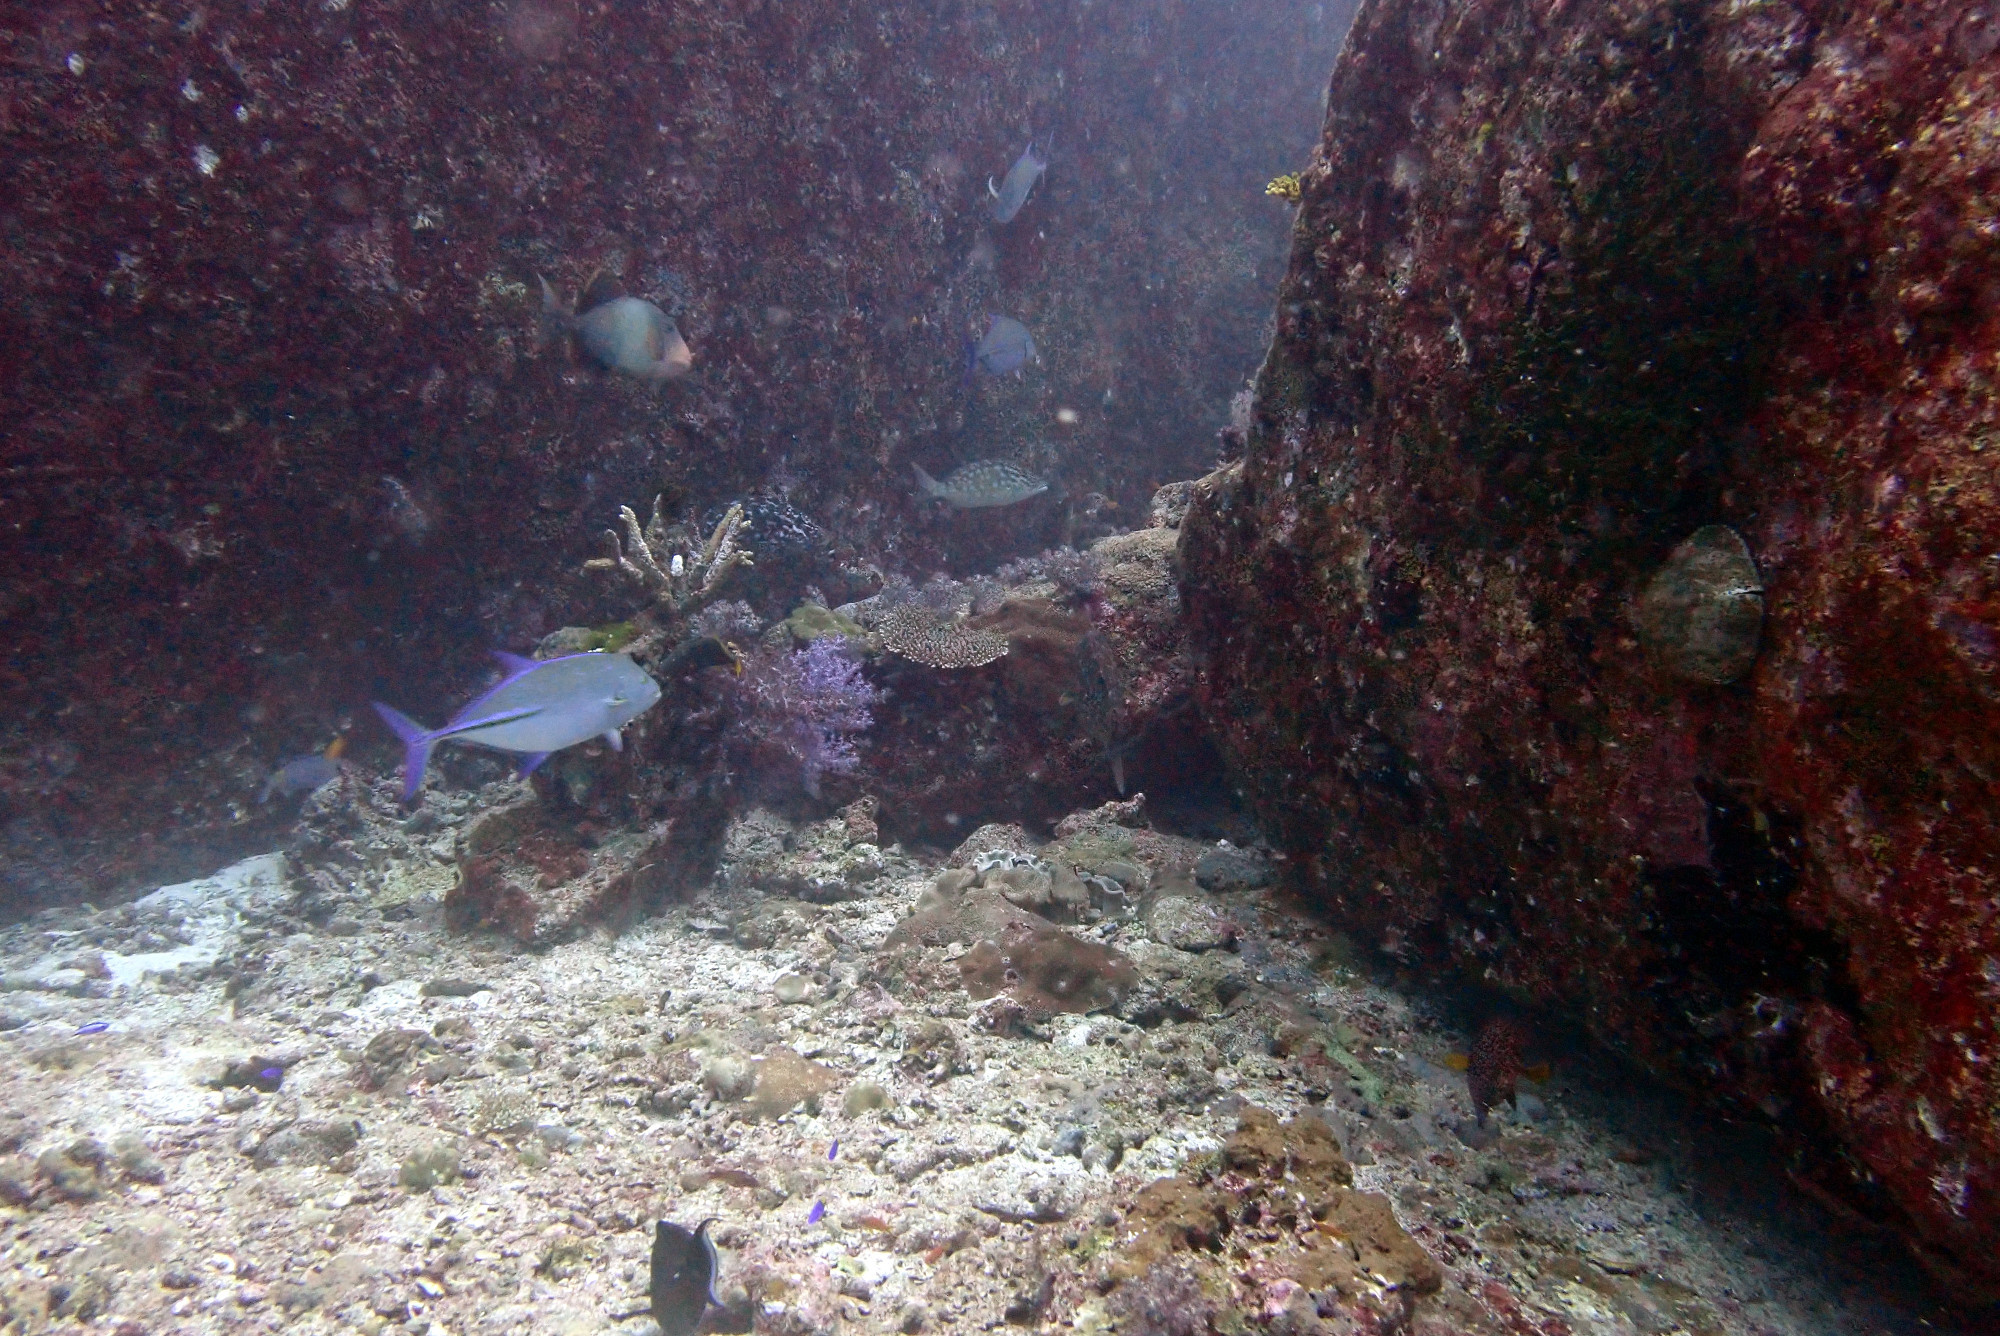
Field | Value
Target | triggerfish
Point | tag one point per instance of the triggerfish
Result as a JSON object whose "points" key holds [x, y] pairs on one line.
{"points": [[982, 483], [540, 706], [621, 333], [1012, 193], [684, 1274]]}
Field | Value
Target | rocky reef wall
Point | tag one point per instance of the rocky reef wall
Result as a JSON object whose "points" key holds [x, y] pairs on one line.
{"points": [[1570, 285], [280, 428]]}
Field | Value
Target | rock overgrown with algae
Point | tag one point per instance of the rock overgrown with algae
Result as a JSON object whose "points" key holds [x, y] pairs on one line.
{"points": [[1570, 299], [1275, 1212], [1008, 950]]}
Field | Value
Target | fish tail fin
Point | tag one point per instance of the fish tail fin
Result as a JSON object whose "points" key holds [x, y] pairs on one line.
{"points": [[417, 744], [927, 482], [556, 319]]}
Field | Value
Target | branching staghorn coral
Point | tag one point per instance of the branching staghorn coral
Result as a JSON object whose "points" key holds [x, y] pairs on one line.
{"points": [[687, 578]]}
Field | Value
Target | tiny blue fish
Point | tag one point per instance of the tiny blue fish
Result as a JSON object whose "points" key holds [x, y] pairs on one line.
{"points": [[93, 1027], [540, 706], [817, 1213], [1005, 349], [273, 1073], [983, 482], [1012, 193], [834, 1149]]}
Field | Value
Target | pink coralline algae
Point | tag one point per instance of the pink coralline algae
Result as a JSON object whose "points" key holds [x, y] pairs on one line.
{"points": [[1571, 284]]}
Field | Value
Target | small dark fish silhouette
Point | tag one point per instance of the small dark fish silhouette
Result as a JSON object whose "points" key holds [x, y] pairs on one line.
{"points": [[684, 1269]]}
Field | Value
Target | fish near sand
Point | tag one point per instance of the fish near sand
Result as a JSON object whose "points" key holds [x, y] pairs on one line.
{"points": [[982, 483], [540, 706], [621, 333], [304, 774], [684, 1271], [1005, 349], [1012, 192]]}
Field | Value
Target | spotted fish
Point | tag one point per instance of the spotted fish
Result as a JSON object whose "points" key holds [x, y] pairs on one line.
{"points": [[983, 482]]}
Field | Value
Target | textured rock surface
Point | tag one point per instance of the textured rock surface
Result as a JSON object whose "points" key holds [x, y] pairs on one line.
{"points": [[1569, 283], [278, 432], [1094, 697]]}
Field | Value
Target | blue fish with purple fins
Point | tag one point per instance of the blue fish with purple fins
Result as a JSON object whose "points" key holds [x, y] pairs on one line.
{"points": [[540, 706]]}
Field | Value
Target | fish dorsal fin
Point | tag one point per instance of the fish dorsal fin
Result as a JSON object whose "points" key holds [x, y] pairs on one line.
{"points": [[516, 664], [603, 287]]}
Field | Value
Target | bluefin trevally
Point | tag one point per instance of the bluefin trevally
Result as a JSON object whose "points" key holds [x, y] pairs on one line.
{"points": [[540, 706], [621, 333], [983, 482], [1012, 193], [1005, 349]]}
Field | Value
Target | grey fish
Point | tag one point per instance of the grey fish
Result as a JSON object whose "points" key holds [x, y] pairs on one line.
{"points": [[540, 706], [301, 774], [1006, 348], [621, 333], [1012, 192], [983, 482]]}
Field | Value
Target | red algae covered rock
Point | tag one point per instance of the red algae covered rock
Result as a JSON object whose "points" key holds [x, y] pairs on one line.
{"points": [[287, 425], [1572, 287]]}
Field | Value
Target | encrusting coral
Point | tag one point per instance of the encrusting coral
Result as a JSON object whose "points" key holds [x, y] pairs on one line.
{"points": [[915, 632]]}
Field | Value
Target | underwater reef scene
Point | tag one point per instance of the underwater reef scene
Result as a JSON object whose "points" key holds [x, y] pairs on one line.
{"points": [[776, 666]]}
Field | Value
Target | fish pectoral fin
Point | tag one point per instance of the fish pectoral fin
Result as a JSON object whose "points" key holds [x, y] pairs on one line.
{"points": [[613, 740], [459, 726]]}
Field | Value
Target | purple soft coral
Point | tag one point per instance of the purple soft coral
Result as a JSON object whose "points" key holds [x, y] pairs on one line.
{"points": [[809, 705]]}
